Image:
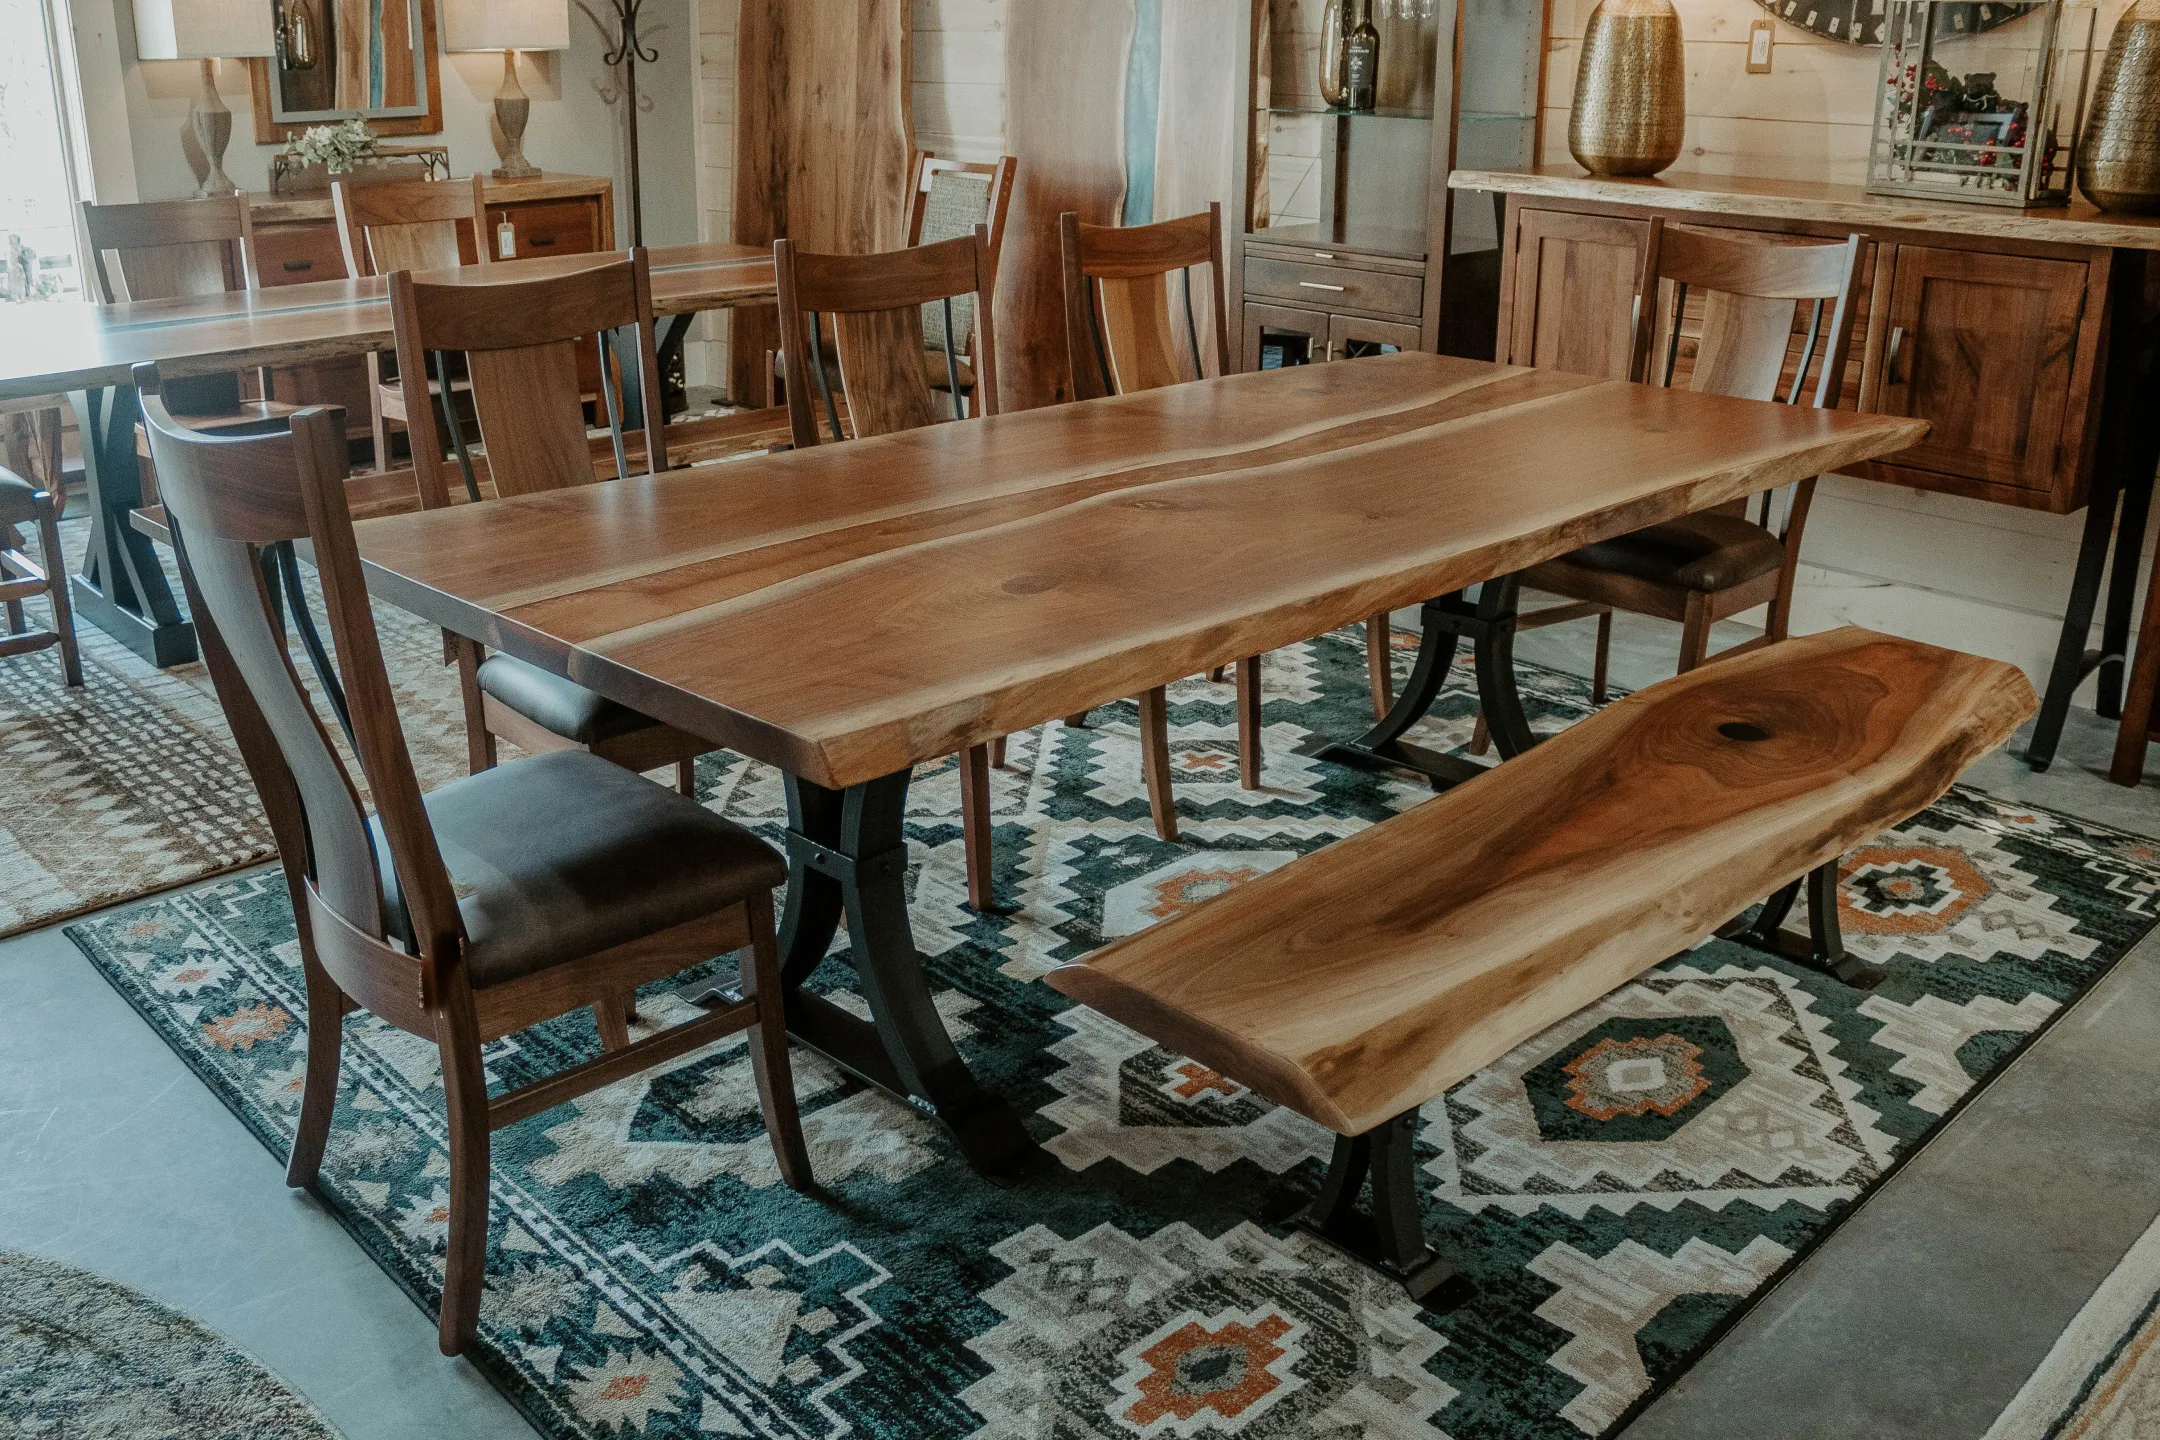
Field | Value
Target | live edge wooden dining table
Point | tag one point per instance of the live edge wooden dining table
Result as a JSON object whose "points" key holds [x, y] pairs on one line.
{"points": [[846, 612], [87, 349]]}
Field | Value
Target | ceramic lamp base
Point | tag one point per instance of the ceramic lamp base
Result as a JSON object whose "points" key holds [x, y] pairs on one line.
{"points": [[211, 121], [512, 109]]}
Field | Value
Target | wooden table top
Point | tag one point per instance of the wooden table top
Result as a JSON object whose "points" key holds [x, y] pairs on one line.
{"points": [[849, 610], [73, 344]]}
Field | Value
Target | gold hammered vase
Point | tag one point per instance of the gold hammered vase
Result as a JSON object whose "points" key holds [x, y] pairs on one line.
{"points": [[2118, 156], [1631, 89]]}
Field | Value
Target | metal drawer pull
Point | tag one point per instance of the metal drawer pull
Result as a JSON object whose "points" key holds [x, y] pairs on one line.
{"points": [[539, 239], [1323, 254], [1316, 285], [299, 264]]}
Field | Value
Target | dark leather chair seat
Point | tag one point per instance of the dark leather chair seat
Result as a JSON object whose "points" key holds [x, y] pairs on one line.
{"points": [[18, 500], [562, 706], [1698, 552], [565, 855]]}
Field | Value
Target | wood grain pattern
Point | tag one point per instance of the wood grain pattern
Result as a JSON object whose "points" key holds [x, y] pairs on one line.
{"points": [[70, 345], [1065, 123], [1415, 959], [967, 581]]}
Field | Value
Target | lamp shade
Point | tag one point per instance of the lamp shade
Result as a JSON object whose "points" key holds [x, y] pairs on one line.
{"points": [[202, 29], [506, 25]]}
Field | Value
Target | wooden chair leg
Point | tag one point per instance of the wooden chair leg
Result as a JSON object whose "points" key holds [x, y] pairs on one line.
{"points": [[479, 740], [1480, 735], [379, 421], [686, 778], [1077, 720], [1155, 761], [612, 1017], [1379, 668], [1215, 674], [1695, 631], [997, 753], [17, 621], [457, 1033], [760, 981], [318, 1094], [975, 822], [1602, 665], [1248, 722], [63, 609]]}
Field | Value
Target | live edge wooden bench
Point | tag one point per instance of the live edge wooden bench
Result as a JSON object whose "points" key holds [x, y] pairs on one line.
{"points": [[1360, 981]]}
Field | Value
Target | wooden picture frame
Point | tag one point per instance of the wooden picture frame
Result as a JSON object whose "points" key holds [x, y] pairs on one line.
{"points": [[269, 131]]}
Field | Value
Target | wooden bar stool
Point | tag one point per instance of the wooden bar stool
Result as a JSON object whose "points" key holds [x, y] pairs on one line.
{"points": [[872, 306], [23, 504], [1120, 338]]}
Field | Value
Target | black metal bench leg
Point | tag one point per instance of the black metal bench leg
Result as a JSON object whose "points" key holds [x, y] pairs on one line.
{"points": [[1489, 624], [847, 856], [1824, 947], [1392, 1238]]}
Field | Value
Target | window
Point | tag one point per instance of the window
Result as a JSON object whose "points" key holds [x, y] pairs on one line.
{"points": [[37, 203]]}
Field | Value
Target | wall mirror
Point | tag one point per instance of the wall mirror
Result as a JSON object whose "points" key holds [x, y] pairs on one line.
{"points": [[339, 58]]}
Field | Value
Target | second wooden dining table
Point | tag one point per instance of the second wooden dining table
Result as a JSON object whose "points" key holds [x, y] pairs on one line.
{"points": [[847, 612]]}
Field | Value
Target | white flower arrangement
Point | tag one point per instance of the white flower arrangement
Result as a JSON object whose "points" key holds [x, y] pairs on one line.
{"points": [[337, 148]]}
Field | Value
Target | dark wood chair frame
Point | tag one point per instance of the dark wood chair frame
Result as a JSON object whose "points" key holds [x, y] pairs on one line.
{"points": [[1139, 259], [872, 307], [232, 501], [21, 578], [513, 341]]}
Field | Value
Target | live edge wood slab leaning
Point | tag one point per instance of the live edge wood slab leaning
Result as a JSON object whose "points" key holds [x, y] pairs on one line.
{"points": [[1366, 978]]}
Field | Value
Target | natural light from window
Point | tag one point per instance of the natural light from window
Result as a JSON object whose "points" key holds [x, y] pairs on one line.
{"points": [[37, 235]]}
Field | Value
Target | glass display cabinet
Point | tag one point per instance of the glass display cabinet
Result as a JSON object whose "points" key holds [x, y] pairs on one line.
{"points": [[1353, 243]]}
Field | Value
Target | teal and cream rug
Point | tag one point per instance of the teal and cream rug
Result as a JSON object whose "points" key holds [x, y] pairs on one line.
{"points": [[1617, 1188]]}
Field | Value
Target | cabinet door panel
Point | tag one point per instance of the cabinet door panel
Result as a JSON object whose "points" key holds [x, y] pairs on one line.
{"points": [[1573, 300], [1350, 336], [1300, 336], [1983, 348]]}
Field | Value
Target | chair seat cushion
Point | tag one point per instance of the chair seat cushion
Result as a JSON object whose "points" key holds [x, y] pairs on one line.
{"points": [[1697, 552], [562, 706], [565, 854], [18, 500]]}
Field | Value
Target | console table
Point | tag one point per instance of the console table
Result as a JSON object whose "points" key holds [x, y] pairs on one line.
{"points": [[2057, 308]]}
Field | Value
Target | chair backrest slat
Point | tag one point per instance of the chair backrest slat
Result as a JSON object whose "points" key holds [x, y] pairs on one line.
{"points": [[231, 498], [168, 249], [875, 304], [1131, 312], [948, 200], [521, 340], [409, 224]]}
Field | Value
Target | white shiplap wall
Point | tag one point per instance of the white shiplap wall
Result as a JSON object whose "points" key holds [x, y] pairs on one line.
{"points": [[1986, 578]]}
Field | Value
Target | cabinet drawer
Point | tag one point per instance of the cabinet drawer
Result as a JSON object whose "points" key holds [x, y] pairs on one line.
{"points": [[297, 254], [553, 228], [1335, 286]]}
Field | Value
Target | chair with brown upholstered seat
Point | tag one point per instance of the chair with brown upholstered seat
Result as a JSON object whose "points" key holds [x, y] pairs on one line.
{"points": [[1772, 311], [872, 308], [1120, 338], [26, 505], [518, 344], [494, 903], [406, 225]]}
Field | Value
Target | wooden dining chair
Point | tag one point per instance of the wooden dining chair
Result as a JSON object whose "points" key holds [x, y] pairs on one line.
{"points": [[34, 506], [497, 902], [872, 308], [518, 341], [388, 225], [1771, 312], [174, 249], [1121, 337], [948, 199]]}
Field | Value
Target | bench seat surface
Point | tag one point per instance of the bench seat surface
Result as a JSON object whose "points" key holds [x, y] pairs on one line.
{"points": [[1369, 976]]}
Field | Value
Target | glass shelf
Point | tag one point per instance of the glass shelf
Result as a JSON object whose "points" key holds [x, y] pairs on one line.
{"points": [[1342, 114]]}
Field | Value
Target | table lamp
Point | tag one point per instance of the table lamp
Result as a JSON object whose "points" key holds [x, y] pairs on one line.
{"points": [[209, 31], [509, 26]]}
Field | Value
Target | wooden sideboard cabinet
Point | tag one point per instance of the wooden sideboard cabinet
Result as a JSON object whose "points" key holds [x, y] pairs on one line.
{"points": [[296, 241], [1996, 343]]}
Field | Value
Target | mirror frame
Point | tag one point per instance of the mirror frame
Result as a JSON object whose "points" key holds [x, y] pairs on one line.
{"points": [[269, 131]]}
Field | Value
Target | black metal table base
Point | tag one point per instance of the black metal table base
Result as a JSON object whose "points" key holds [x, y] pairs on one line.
{"points": [[1390, 1237], [1823, 947], [120, 587], [1488, 622], [847, 857]]}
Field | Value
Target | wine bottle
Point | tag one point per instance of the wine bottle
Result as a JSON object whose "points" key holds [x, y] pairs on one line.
{"points": [[1361, 62]]}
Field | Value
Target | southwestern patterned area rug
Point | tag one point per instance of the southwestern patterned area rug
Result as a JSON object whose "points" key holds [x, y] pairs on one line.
{"points": [[1617, 1188]]}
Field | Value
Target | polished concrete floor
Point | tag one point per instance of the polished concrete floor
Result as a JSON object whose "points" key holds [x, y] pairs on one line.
{"points": [[113, 1157]]}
